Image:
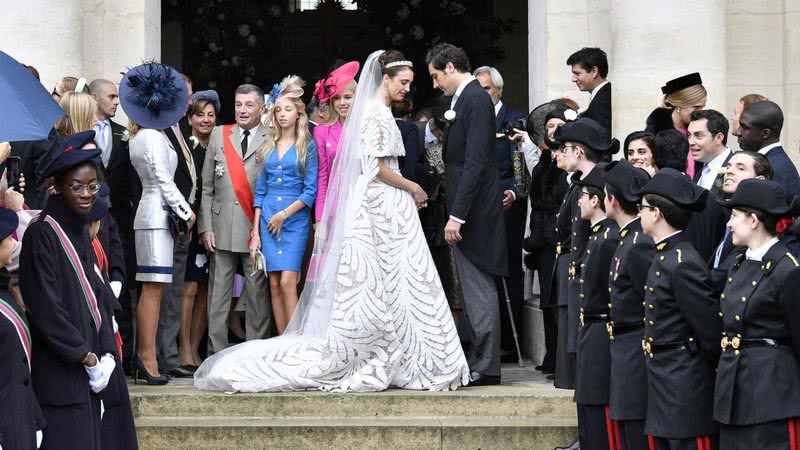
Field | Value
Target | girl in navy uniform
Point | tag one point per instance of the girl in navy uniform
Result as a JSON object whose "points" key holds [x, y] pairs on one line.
{"points": [[59, 279], [757, 398], [20, 417]]}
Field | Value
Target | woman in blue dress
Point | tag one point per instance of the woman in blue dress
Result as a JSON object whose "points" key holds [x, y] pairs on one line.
{"points": [[285, 192]]}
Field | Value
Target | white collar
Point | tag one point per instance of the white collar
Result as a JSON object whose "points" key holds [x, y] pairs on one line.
{"points": [[429, 137], [628, 223], [597, 88], [668, 236], [758, 253], [598, 221], [462, 86], [569, 178], [497, 107], [765, 150], [714, 166]]}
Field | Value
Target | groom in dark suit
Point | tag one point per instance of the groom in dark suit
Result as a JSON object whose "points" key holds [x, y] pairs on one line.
{"points": [[589, 67], [476, 228]]}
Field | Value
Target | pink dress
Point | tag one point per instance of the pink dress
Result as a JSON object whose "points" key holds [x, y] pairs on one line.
{"points": [[689, 157], [327, 138]]}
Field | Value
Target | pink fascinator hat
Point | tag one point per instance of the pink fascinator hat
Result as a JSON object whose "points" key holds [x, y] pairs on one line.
{"points": [[336, 82]]}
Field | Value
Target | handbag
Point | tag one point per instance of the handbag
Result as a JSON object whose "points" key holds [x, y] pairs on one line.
{"points": [[177, 226]]}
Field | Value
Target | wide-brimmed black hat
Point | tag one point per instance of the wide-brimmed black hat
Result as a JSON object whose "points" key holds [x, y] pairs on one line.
{"points": [[677, 187], [626, 179], [762, 195], [681, 83], [71, 153], [595, 177], [587, 132]]}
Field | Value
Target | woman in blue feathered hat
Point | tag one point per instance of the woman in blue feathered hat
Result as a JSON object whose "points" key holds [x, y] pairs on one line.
{"points": [[154, 96]]}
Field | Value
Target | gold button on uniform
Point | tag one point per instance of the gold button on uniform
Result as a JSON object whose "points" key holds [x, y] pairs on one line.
{"points": [[754, 283], [236, 203], [720, 313], [737, 318], [722, 297], [661, 258], [744, 299]]}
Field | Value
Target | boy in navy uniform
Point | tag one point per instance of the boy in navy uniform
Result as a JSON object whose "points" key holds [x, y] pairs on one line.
{"points": [[682, 320], [628, 273]]}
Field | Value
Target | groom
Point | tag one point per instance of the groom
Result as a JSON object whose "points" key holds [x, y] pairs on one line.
{"points": [[476, 229]]}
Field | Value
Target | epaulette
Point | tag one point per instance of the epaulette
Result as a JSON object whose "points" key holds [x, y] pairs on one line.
{"points": [[678, 251], [635, 236], [623, 233], [794, 260]]}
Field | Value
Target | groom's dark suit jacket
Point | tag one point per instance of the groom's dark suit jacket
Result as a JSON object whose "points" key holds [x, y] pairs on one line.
{"points": [[472, 177]]}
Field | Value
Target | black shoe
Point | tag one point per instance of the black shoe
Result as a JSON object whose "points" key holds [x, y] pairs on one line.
{"points": [[182, 372], [539, 368], [139, 370], [574, 446], [551, 377], [233, 338], [484, 380]]}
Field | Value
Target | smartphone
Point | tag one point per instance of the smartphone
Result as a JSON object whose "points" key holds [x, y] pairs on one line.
{"points": [[13, 164]]}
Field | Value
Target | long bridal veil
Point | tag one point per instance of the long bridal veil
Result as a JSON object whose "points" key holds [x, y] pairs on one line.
{"points": [[347, 182]]}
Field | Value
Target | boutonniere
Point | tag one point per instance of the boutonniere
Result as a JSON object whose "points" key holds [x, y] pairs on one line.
{"points": [[194, 141], [125, 136], [450, 116]]}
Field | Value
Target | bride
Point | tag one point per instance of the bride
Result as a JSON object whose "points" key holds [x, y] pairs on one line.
{"points": [[373, 314]]}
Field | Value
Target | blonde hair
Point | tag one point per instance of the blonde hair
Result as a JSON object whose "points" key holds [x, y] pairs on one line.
{"points": [[133, 128], [749, 99], [351, 86], [79, 113], [686, 97], [291, 89]]}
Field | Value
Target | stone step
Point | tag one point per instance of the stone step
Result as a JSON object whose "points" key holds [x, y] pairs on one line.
{"points": [[501, 401], [333, 433]]}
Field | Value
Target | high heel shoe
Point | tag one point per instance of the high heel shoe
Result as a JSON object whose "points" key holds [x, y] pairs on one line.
{"points": [[138, 368]]}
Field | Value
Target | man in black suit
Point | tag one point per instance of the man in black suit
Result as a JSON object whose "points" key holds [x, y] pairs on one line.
{"points": [[760, 131], [589, 67], [169, 319], [112, 140], [514, 205], [474, 198]]}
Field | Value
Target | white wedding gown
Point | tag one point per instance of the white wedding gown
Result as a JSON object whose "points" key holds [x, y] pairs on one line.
{"points": [[390, 324]]}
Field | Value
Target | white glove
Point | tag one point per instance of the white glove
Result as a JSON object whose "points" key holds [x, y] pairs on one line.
{"points": [[39, 437], [102, 409], [101, 373], [116, 287], [116, 325], [95, 373], [108, 363]]}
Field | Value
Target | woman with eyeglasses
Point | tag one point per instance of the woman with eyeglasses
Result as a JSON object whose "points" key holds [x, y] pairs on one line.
{"points": [[154, 97], [72, 352]]}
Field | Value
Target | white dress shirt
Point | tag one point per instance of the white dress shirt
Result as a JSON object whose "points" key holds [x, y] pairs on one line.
{"points": [[766, 149], [711, 170], [597, 89], [758, 253], [667, 237], [452, 106]]}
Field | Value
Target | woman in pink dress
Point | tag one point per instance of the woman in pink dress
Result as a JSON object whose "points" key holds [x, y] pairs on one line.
{"points": [[337, 90]]}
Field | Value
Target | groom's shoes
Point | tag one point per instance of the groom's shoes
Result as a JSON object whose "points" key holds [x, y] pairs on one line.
{"points": [[574, 446], [478, 379]]}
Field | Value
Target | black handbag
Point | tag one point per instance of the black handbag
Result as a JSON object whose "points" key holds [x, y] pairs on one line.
{"points": [[177, 226]]}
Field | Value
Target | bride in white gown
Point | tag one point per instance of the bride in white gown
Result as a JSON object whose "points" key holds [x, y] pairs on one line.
{"points": [[373, 314]]}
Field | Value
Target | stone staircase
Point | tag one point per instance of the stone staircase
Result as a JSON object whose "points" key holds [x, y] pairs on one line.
{"points": [[526, 412]]}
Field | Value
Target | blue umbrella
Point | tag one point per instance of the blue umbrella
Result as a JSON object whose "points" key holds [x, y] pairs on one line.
{"points": [[27, 111]]}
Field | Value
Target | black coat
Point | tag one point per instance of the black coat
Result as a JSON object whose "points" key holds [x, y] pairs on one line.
{"points": [[546, 192], [34, 158], [474, 193], [628, 388], [680, 310], [505, 147], [183, 177], [706, 228], [118, 177], [20, 416], [61, 325], [580, 238], [594, 356], [413, 165], [659, 120], [759, 384], [599, 109], [110, 238]]}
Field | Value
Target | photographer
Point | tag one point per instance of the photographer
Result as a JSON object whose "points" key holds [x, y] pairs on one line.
{"points": [[509, 128]]}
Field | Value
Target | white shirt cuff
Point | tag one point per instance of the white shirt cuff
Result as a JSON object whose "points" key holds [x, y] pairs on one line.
{"points": [[513, 194], [456, 219]]}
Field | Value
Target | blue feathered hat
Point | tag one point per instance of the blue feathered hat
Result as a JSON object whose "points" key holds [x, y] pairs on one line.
{"points": [[154, 95]]}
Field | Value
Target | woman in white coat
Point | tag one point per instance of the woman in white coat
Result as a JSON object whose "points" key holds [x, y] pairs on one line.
{"points": [[155, 97]]}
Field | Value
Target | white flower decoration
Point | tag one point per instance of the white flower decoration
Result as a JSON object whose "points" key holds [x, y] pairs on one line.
{"points": [[450, 115], [570, 114], [194, 141], [125, 136]]}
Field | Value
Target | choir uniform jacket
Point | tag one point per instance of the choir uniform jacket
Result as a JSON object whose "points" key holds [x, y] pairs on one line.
{"points": [[580, 238], [680, 312], [562, 270], [594, 358], [628, 274], [20, 416], [758, 383], [62, 328]]}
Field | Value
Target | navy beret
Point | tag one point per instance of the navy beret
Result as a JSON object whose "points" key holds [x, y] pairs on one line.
{"points": [[595, 177], [8, 222], [71, 154], [676, 187], [589, 133], [625, 179], [762, 195], [99, 210], [210, 95]]}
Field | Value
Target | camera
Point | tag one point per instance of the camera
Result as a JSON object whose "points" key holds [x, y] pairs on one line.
{"points": [[511, 128]]}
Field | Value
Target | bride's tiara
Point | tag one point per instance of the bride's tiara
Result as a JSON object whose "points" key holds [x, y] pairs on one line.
{"points": [[398, 63]]}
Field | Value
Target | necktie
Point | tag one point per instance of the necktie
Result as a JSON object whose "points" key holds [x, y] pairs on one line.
{"points": [[244, 142], [100, 139], [718, 253]]}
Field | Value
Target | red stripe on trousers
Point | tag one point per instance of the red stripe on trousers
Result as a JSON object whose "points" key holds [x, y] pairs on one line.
{"points": [[700, 443], [708, 442], [651, 442], [610, 431], [616, 435], [792, 434]]}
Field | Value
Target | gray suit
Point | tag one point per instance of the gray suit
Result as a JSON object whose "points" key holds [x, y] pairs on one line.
{"points": [[221, 214]]}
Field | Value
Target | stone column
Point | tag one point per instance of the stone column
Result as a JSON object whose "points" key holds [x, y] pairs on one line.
{"points": [[653, 42], [45, 34]]}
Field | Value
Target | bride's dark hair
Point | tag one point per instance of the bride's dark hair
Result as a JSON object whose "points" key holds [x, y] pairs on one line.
{"points": [[390, 56]]}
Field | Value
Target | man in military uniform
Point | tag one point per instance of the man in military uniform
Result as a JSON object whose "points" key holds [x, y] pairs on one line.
{"points": [[593, 357], [682, 323], [757, 397], [628, 273]]}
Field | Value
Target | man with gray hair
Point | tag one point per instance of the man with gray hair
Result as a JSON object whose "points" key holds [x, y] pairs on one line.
{"points": [[514, 204], [232, 165]]}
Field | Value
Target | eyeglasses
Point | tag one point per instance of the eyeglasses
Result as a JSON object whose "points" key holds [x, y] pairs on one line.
{"points": [[642, 206], [77, 189]]}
